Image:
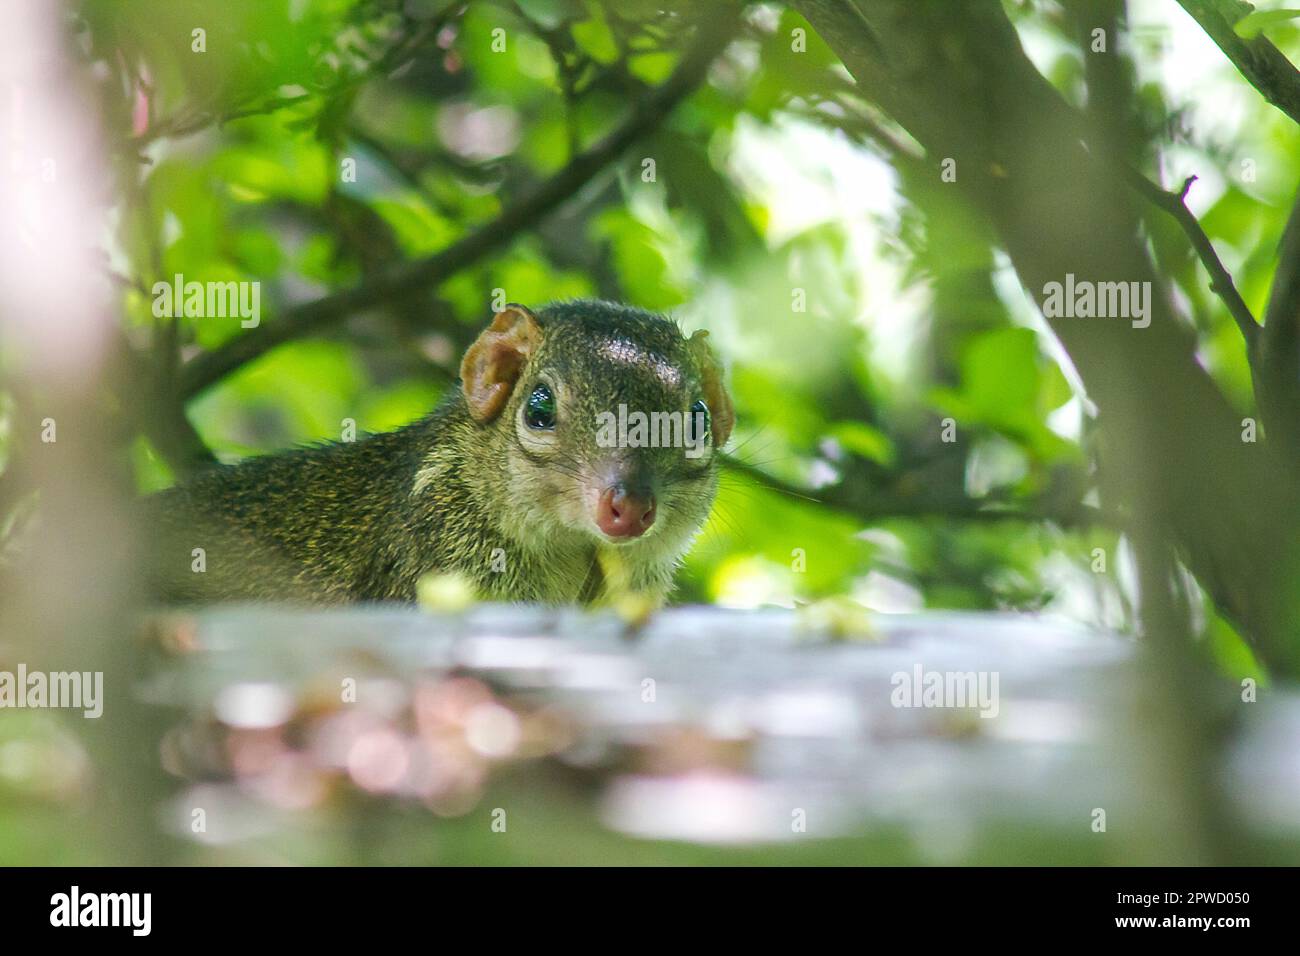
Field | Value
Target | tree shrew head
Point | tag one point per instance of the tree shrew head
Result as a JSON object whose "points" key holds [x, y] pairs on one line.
{"points": [[610, 419]]}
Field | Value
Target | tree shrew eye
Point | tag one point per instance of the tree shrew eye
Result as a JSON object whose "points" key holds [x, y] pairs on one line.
{"points": [[539, 411], [697, 425]]}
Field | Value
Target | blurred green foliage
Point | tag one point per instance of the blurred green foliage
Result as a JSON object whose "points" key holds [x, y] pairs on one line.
{"points": [[861, 307], [910, 435]]}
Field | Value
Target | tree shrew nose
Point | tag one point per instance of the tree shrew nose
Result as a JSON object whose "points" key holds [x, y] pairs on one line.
{"points": [[625, 513]]}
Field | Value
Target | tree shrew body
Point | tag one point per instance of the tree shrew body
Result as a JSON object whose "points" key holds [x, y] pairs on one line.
{"points": [[520, 482]]}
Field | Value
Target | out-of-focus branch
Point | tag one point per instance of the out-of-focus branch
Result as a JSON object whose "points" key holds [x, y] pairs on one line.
{"points": [[1220, 279], [957, 78], [67, 604], [1279, 351], [189, 123], [871, 505], [857, 123], [1260, 62], [195, 119], [157, 410], [313, 317], [1282, 319]]}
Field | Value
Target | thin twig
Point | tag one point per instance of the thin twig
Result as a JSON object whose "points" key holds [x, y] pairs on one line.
{"points": [[1220, 279], [315, 316]]}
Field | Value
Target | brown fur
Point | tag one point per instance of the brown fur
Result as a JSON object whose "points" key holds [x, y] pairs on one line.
{"points": [[468, 489]]}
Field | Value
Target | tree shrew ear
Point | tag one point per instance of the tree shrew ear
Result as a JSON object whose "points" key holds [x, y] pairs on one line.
{"points": [[491, 365], [715, 393]]}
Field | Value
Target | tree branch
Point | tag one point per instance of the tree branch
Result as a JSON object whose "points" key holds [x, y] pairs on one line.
{"points": [[1283, 314], [957, 78], [182, 125], [153, 407], [189, 122], [313, 317], [1221, 282], [876, 504], [1259, 61], [1220, 279], [1279, 352]]}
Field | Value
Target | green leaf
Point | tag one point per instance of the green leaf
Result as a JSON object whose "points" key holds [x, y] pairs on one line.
{"points": [[654, 68], [639, 259], [596, 39], [1252, 24], [865, 441], [397, 406], [419, 229], [151, 472], [550, 13]]}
